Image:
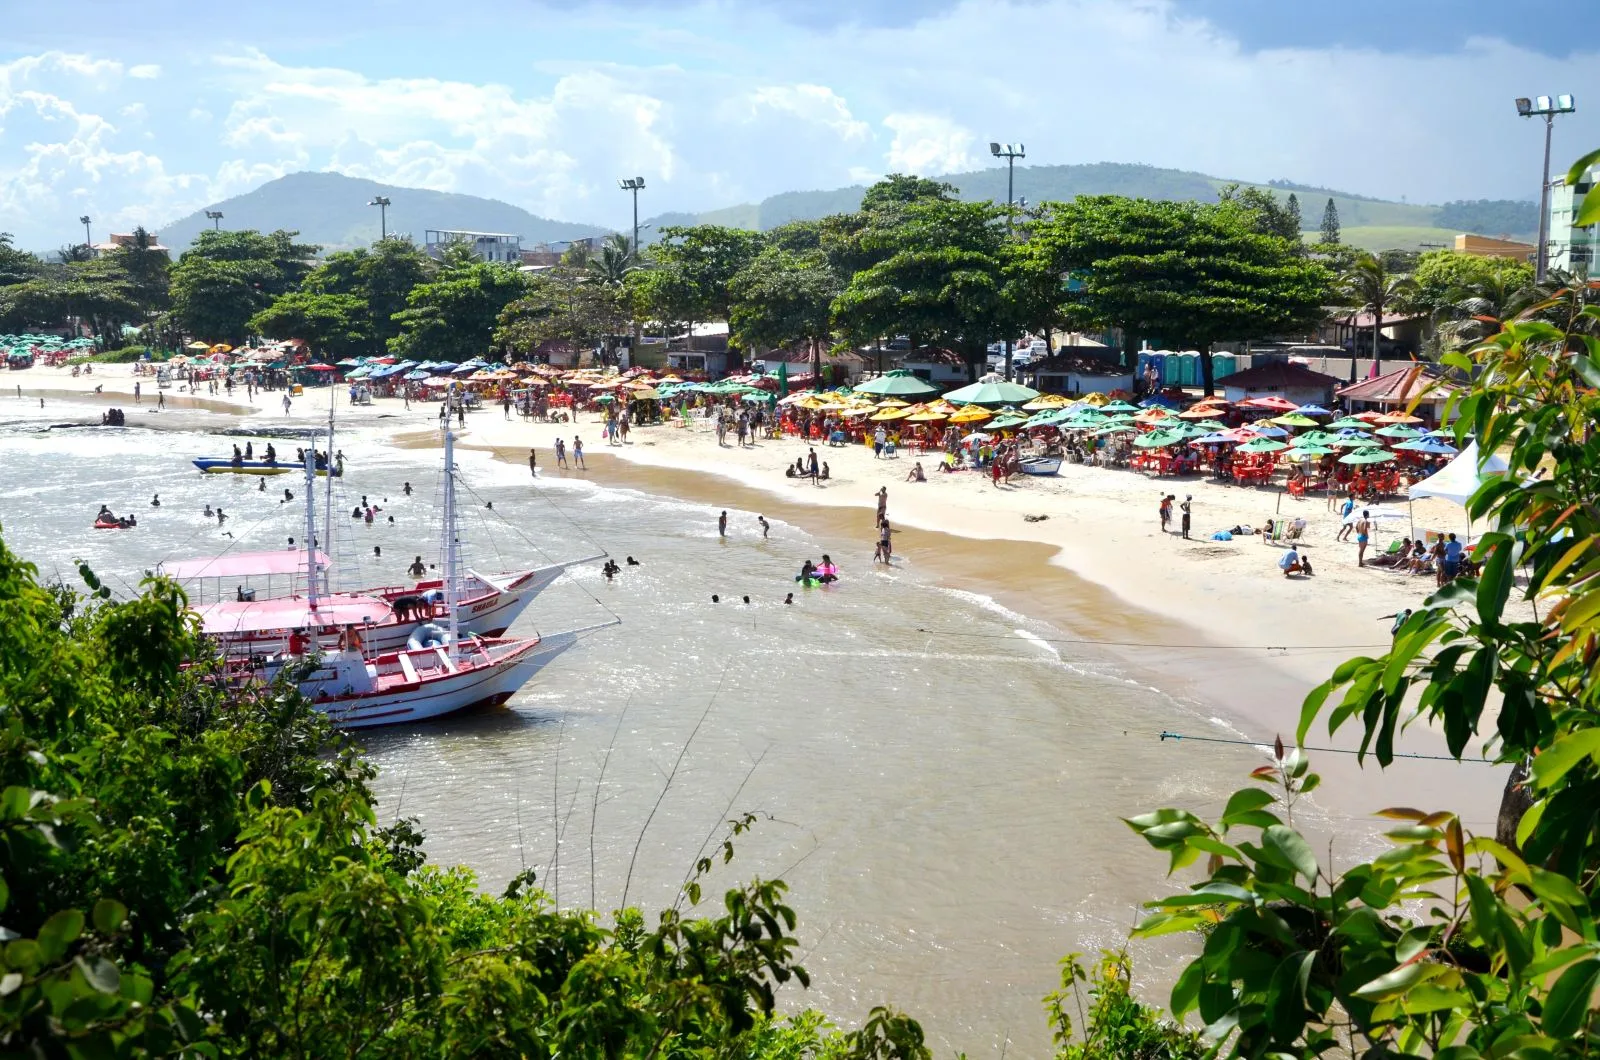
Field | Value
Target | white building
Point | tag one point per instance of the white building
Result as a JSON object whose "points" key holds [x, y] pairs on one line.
{"points": [[1572, 249], [490, 246]]}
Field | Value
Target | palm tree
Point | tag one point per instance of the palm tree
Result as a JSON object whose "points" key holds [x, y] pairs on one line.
{"points": [[1368, 285], [613, 263], [1475, 311]]}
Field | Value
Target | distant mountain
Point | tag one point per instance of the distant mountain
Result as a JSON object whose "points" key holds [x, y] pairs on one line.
{"points": [[1382, 224], [331, 209]]}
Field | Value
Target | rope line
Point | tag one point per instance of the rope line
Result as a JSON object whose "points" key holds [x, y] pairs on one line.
{"points": [[1165, 736], [1159, 644]]}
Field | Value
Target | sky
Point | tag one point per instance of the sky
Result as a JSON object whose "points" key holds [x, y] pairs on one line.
{"points": [[140, 113]]}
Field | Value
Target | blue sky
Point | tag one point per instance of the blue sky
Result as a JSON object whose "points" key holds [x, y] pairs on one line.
{"points": [[143, 112]]}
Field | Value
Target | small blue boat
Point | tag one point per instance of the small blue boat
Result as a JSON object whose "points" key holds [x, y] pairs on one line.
{"points": [[229, 466], [1040, 465]]}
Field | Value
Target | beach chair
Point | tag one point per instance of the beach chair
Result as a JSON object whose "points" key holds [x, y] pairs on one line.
{"points": [[1296, 530]]}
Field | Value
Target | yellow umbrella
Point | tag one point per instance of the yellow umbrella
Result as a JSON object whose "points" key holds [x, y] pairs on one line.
{"points": [[891, 414], [928, 416], [971, 414], [1096, 399], [891, 403], [1047, 401], [198, 346]]}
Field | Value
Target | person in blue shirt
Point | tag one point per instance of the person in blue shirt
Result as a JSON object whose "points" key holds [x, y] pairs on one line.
{"points": [[1345, 509], [1452, 557]]}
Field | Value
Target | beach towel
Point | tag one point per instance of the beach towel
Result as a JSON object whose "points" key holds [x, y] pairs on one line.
{"points": [[1222, 535]]}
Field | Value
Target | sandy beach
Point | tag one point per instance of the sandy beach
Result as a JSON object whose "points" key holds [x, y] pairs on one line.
{"points": [[1215, 620]]}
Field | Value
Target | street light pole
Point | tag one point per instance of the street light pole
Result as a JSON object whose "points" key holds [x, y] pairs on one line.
{"points": [[1546, 107], [216, 219], [382, 203], [1009, 152], [633, 184], [88, 240]]}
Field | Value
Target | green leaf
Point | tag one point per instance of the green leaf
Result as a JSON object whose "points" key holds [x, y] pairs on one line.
{"points": [[1559, 758], [1186, 990], [1568, 1003], [1588, 212], [1293, 848], [1397, 982], [100, 973], [11, 980], [1579, 168], [1286, 995], [59, 932], [108, 916]]}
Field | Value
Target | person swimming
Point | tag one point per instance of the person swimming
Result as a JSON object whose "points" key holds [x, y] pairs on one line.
{"points": [[826, 571], [406, 489], [632, 562], [208, 513], [155, 502], [808, 573], [789, 599], [288, 495], [261, 485]]}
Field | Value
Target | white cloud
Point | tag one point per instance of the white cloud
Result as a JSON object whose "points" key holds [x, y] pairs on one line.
{"points": [[145, 71], [928, 144]]}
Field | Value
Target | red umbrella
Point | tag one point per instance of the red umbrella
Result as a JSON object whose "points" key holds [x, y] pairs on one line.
{"points": [[1273, 402], [319, 367]]}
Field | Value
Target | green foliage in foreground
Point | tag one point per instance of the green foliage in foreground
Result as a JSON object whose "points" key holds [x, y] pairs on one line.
{"points": [[1449, 945], [191, 870]]}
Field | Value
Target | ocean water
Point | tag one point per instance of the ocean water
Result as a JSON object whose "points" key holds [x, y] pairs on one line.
{"points": [[945, 806]]}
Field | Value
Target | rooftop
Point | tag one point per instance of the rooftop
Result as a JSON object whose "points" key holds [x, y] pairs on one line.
{"points": [[1400, 386], [1278, 375]]}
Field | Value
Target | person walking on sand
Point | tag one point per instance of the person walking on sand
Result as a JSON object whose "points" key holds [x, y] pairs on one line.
{"points": [[561, 452], [577, 453], [1363, 536], [533, 463], [811, 459], [1166, 513], [161, 400], [883, 503], [1345, 509], [136, 398], [722, 524], [286, 404], [1185, 507]]}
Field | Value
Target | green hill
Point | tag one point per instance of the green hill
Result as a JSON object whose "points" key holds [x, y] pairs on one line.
{"points": [[331, 209], [1365, 222]]}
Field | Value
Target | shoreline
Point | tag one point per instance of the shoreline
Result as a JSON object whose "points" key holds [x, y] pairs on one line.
{"points": [[1195, 617]]}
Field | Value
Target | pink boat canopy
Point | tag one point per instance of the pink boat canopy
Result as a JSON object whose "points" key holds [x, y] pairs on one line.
{"points": [[231, 616], [243, 565]]}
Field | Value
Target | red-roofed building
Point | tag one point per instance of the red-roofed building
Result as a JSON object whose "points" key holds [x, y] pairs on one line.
{"points": [[1285, 379], [1399, 388]]}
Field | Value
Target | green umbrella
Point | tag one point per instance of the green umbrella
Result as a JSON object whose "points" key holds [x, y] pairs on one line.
{"points": [[1006, 421], [995, 392], [1349, 421], [1294, 419], [1158, 440], [1117, 428], [1367, 456], [1119, 406], [898, 383], [1317, 438], [1262, 445], [1399, 430], [1339, 442], [1308, 452], [1212, 425]]}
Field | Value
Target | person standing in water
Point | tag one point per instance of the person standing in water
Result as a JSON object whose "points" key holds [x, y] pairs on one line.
{"points": [[577, 452], [533, 463], [883, 502], [765, 526], [722, 525]]}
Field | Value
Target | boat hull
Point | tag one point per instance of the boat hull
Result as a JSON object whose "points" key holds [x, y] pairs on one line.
{"points": [[487, 684], [1043, 465]]}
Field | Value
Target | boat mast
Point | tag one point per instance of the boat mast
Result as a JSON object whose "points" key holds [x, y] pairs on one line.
{"points": [[327, 499], [451, 556], [311, 527]]}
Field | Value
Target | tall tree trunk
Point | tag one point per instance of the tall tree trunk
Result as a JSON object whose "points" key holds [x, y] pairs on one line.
{"points": [[1207, 370], [1377, 329], [816, 362]]}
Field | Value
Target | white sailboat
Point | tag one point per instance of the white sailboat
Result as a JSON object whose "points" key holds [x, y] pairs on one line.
{"points": [[358, 689]]}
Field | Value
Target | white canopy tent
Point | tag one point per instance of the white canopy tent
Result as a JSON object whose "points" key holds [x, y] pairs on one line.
{"points": [[1458, 480]]}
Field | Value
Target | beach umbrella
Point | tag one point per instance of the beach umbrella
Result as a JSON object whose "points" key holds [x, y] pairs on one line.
{"points": [[1262, 445], [320, 368], [1118, 428], [1315, 438], [1119, 406], [1398, 430], [891, 414], [1430, 446], [893, 403], [1007, 422], [411, 376], [1158, 440], [1313, 410], [1308, 452], [1271, 402], [978, 436], [1349, 441], [1047, 401], [971, 414], [898, 383], [1294, 419], [1159, 399], [1349, 422], [1271, 432], [1215, 438], [1367, 456], [1200, 412], [1212, 425], [197, 346], [928, 416], [994, 392]]}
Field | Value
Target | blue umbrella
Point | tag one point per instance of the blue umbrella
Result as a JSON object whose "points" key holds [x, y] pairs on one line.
{"points": [[1313, 410], [1271, 432], [1158, 399], [1216, 438], [1431, 446], [415, 375]]}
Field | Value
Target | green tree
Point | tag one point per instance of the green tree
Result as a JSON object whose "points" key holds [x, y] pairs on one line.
{"points": [[783, 296], [1370, 286], [381, 277], [333, 324], [689, 273], [1467, 297], [898, 189], [148, 271], [571, 307], [1330, 223], [1268, 216], [453, 315], [936, 276], [225, 278], [1191, 273], [1293, 206]]}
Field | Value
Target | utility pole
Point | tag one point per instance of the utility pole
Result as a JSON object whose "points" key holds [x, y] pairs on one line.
{"points": [[1546, 107], [88, 240], [633, 184], [1009, 152], [215, 216]]}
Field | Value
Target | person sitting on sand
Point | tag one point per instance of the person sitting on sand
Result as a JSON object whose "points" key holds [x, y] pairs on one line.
{"points": [[915, 474], [1291, 562]]}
